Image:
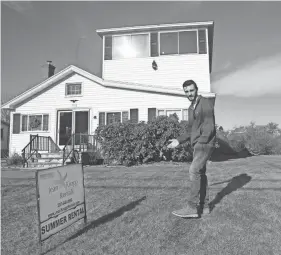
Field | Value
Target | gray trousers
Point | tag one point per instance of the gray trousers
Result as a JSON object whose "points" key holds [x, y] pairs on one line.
{"points": [[199, 192]]}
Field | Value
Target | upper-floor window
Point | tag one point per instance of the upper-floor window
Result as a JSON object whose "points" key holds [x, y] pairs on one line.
{"points": [[155, 43], [73, 89], [130, 46], [183, 42], [2, 133]]}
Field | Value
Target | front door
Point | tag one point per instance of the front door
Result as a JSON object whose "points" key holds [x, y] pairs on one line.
{"points": [[70, 122], [65, 127], [81, 126]]}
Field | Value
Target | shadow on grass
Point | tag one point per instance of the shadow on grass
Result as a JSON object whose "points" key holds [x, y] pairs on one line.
{"points": [[219, 157], [108, 217], [102, 220], [234, 184]]}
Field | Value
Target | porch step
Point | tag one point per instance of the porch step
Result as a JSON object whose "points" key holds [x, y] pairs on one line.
{"points": [[50, 159], [51, 155]]}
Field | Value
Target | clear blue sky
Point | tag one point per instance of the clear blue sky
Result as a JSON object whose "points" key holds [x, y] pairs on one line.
{"points": [[247, 47]]}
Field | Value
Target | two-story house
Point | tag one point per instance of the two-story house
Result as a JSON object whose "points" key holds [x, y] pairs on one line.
{"points": [[143, 70]]}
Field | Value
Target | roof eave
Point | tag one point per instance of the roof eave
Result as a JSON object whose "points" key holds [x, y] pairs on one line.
{"points": [[153, 89], [102, 32], [10, 104]]}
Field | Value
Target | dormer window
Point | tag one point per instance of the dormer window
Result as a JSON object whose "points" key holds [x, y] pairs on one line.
{"points": [[73, 89], [183, 42], [154, 44], [130, 46]]}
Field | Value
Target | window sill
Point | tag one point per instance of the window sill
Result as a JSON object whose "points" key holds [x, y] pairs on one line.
{"points": [[71, 96]]}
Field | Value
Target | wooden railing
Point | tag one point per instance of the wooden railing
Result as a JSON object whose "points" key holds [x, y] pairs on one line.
{"points": [[38, 143], [78, 143]]}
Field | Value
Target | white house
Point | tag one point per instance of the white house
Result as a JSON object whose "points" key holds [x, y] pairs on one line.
{"points": [[143, 71]]}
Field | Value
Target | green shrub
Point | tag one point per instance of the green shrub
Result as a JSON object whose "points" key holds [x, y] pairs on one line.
{"points": [[15, 159], [259, 140], [130, 144], [276, 148], [237, 142]]}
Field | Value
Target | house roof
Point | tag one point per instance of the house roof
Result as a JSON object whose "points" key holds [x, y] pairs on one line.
{"points": [[160, 27], [106, 83]]}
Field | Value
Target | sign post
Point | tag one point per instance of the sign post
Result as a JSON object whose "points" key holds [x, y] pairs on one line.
{"points": [[60, 199]]}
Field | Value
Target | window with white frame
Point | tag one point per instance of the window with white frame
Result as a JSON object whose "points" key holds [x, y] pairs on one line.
{"points": [[182, 42], [106, 118], [38, 122], [130, 46], [184, 114], [72, 89], [181, 113]]}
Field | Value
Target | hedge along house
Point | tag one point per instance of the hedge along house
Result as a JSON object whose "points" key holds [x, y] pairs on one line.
{"points": [[142, 74]]}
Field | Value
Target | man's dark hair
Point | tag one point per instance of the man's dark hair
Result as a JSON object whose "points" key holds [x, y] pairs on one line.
{"points": [[188, 83]]}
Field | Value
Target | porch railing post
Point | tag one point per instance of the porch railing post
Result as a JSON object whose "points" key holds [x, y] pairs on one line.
{"points": [[73, 143], [49, 140], [80, 143], [23, 158], [30, 138], [37, 146]]}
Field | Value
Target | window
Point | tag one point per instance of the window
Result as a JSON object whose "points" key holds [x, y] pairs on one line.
{"points": [[161, 112], [168, 43], [183, 42], [151, 112], [106, 118], [130, 46], [134, 115], [102, 118], [2, 133], [73, 89], [125, 116], [38, 122], [155, 43], [181, 113], [113, 117], [185, 114], [171, 112], [187, 42]]}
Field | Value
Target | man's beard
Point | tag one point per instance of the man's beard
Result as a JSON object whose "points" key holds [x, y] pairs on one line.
{"points": [[192, 98]]}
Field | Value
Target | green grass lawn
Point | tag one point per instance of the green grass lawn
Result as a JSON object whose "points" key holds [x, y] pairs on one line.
{"points": [[129, 212]]}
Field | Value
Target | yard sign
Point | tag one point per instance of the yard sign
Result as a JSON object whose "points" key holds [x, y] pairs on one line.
{"points": [[60, 198]]}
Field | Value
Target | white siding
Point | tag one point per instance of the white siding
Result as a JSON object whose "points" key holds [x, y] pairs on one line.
{"points": [[96, 98], [172, 70]]}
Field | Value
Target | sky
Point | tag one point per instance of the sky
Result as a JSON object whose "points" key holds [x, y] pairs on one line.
{"points": [[246, 73]]}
